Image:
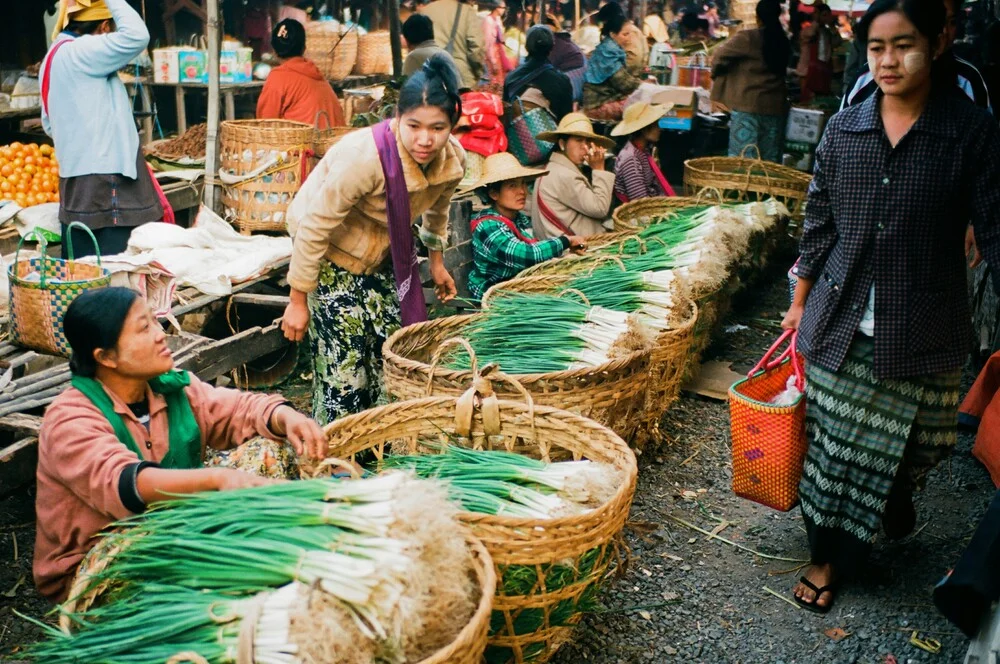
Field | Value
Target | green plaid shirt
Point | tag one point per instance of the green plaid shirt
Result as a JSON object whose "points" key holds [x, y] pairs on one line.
{"points": [[498, 253]]}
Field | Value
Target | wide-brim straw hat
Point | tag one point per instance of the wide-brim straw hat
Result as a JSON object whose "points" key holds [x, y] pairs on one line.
{"points": [[501, 167], [639, 116], [575, 124]]}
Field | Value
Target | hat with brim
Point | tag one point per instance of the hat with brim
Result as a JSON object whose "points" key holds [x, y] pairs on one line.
{"points": [[575, 124], [501, 167], [638, 116]]}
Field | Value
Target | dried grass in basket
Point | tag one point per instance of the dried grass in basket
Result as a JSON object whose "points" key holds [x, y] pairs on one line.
{"points": [[259, 203], [587, 541], [42, 288], [467, 647], [334, 52], [611, 393], [668, 361], [374, 54], [637, 214], [742, 179]]}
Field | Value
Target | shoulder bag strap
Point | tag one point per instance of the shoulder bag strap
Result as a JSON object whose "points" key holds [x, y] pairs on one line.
{"points": [[450, 46], [506, 222], [47, 80], [547, 212]]}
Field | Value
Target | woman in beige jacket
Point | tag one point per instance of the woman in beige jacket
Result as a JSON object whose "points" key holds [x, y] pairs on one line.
{"points": [[567, 201], [369, 188]]}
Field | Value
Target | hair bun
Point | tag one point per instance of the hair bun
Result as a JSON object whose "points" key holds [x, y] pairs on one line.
{"points": [[440, 66]]}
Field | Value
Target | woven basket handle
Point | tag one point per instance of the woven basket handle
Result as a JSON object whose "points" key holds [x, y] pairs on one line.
{"points": [[42, 248], [769, 361], [702, 194], [69, 240], [747, 148], [528, 401], [333, 463], [448, 343], [322, 114]]}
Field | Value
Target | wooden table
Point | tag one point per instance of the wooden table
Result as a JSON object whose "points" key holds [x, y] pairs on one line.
{"points": [[20, 113]]}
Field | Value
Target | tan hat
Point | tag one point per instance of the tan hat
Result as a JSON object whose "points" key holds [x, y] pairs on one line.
{"points": [[575, 124], [639, 116], [501, 167]]}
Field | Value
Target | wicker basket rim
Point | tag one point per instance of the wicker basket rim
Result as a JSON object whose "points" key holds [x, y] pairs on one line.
{"points": [[708, 165]]}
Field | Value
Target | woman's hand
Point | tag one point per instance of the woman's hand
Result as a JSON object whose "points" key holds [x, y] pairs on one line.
{"points": [[577, 244], [793, 318], [304, 433], [295, 320], [971, 250], [595, 158], [444, 285], [227, 479]]}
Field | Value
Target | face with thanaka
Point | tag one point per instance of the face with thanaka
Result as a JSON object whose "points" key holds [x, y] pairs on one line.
{"points": [[899, 56], [424, 132]]}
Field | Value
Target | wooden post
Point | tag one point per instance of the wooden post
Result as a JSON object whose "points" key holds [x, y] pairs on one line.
{"points": [[576, 23], [212, 132], [394, 38]]}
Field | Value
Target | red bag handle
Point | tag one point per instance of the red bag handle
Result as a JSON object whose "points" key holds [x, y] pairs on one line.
{"points": [[769, 362]]}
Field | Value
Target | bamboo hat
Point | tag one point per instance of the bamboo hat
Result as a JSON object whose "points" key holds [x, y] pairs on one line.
{"points": [[575, 124], [501, 167], [639, 116]]}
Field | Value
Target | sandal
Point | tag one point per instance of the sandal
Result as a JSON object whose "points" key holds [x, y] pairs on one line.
{"points": [[813, 606]]}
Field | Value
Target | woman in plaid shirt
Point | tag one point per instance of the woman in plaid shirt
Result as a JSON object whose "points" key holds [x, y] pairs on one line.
{"points": [[503, 243], [881, 304]]}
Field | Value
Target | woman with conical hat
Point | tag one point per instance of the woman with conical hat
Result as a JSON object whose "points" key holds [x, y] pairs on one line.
{"points": [[575, 197], [503, 242], [637, 175]]}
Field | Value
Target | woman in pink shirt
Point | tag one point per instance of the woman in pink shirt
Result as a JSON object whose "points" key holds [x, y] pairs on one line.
{"points": [[131, 431]]}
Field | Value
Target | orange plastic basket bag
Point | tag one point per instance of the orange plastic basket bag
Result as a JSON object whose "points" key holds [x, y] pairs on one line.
{"points": [[769, 441]]}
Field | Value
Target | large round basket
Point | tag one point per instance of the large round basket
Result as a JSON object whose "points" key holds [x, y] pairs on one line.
{"points": [[326, 135], [668, 360], [612, 393], [279, 147], [745, 180], [374, 54], [638, 214], [467, 648], [334, 51], [567, 557]]}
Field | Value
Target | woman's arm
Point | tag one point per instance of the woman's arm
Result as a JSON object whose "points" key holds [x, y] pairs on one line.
{"points": [[500, 243], [984, 190], [734, 48], [103, 55], [434, 233], [153, 483], [592, 199], [623, 82]]}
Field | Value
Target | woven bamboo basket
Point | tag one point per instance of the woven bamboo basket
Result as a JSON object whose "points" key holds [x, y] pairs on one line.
{"points": [[586, 544], [742, 179], [333, 51], [260, 202], [668, 360], [638, 214], [611, 393], [326, 135], [467, 648], [374, 54]]}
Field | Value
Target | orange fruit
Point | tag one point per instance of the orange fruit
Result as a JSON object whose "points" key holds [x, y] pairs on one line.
{"points": [[5, 186], [30, 200], [45, 150], [16, 145], [14, 177], [21, 187], [29, 159], [6, 170], [20, 199], [29, 169], [17, 163]]}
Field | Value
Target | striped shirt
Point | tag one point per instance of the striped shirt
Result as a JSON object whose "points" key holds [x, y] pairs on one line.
{"points": [[498, 254], [969, 81], [634, 177]]}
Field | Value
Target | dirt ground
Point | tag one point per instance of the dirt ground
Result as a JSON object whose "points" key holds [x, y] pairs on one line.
{"points": [[686, 597]]}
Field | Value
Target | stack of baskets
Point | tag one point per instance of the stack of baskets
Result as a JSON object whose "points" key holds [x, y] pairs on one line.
{"points": [[526, 627], [274, 158], [334, 50], [611, 393], [742, 179], [374, 54]]}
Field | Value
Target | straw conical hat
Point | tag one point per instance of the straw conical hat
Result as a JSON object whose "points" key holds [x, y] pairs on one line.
{"points": [[639, 116], [575, 124], [501, 167]]}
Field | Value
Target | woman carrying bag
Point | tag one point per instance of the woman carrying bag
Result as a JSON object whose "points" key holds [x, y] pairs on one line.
{"points": [[881, 304], [355, 211]]}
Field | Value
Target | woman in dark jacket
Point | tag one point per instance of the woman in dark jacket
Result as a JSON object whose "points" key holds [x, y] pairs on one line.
{"points": [[881, 304], [537, 72]]}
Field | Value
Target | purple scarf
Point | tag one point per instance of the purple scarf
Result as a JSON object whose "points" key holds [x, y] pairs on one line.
{"points": [[412, 308]]}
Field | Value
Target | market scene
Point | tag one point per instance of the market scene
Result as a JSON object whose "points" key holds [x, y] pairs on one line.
{"points": [[499, 331]]}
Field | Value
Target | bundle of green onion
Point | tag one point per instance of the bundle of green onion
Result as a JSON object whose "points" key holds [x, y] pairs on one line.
{"points": [[539, 333], [359, 571]]}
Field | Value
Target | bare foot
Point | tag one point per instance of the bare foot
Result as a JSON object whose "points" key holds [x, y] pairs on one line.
{"points": [[819, 576]]}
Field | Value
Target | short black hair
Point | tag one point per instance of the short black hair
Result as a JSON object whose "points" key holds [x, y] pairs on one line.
{"points": [[612, 18], [288, 39], [417, 29], [539, 42], [94, 321], [84, 27]]}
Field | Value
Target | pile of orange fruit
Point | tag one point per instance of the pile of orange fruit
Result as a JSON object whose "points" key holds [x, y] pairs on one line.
{"points": [[29, 174]]}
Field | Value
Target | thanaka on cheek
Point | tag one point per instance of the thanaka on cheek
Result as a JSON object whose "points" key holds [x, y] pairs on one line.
{"points": [[914, 62]]}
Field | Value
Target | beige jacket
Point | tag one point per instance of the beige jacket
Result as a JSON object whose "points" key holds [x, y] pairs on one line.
{"points": [[581, 206], [741, 80], [339, 213], [469, 47]]}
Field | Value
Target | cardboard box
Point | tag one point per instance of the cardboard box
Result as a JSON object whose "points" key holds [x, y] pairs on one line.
{"points": [[681, 116], [799, 156], [166, 65], [236, 65], [193, 66], [805, 126]]}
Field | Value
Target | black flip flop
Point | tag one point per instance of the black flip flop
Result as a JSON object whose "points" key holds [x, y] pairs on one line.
{"points": [[813, 606]]}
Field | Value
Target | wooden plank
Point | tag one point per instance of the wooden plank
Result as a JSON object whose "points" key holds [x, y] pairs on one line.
{"points": [[184, 197], [21, 424], [17, 464], [203, 300], [221, 357], [276, 301]]}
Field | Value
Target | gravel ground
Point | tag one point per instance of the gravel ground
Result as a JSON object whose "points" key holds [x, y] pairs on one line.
{"points": [[688, 598]]}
